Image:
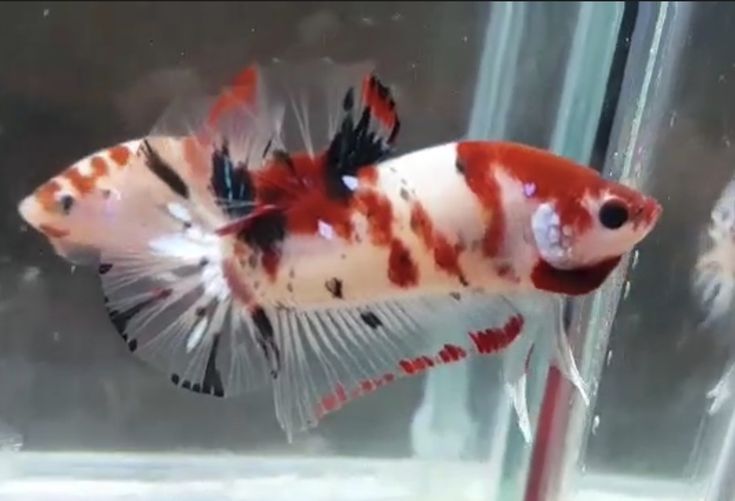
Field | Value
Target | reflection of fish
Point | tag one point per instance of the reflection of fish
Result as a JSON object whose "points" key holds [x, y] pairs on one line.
{"points": [[714, 280], [714, 277], [230, 258]]}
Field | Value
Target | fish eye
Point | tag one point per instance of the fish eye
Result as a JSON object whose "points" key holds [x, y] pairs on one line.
{"points": [[613, 214]]}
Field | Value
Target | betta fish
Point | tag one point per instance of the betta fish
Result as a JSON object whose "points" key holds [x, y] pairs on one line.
{"points": [[713, 282], [254, 247]]}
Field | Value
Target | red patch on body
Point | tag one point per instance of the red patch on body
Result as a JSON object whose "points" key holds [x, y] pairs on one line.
{"points": [[270, 260], [478, 169], [421, 225], [52, 231], [572, 282], [378, 211], [446, 255], [46, 196], [402, 270], [368, 175], [552, 177], [120, 154], [85, 183]]}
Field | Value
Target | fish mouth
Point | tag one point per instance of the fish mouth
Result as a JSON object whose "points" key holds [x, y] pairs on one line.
{"points": [[647, 213]]}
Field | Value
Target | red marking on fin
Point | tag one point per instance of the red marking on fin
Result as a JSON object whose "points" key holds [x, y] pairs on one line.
{"points": [[240, 93], [483, 343], [572, 282], [378, 99], [53, 231], [402, 270], [493, 340]]}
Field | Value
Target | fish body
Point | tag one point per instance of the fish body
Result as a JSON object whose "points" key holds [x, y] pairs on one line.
{"points": [[230, 259]]}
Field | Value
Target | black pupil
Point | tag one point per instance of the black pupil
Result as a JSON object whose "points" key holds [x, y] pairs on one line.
{"points": [[613, 215]]}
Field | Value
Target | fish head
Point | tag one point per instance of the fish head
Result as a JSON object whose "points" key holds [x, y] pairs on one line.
{"points": [[565, 227], [582, 225]]}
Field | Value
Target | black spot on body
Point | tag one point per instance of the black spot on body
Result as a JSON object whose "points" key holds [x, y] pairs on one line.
{"points": [[104, 268], [196, 387], [164, 171], [371, 319], [334, 286], [289, 287], [186, 384], [455, 295], [200, 311], [266, 340], [404, 194], [175, 378], [133, 345], [203, 262], [460, 167]]}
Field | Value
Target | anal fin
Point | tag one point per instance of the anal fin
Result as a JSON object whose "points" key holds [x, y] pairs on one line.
{"points": [[330, 357]]}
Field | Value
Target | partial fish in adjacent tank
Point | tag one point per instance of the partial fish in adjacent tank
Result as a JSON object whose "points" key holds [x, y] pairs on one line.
{"points": [[233, 257], [714, 281]]}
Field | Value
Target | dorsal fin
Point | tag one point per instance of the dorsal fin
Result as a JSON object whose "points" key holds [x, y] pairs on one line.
{"points": [[241, 92], [367, 130]]}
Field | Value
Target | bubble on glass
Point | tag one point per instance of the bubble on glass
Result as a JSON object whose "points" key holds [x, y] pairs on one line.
{"points": [[626, 290], [595, 424], [636, 255], [30, 274]]}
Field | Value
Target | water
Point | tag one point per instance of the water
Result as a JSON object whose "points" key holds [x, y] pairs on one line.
{"points": [[640, 92]]}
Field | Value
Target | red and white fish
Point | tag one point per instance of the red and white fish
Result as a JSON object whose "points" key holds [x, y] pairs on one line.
{"points": [[232, 257], [713, 282]]}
